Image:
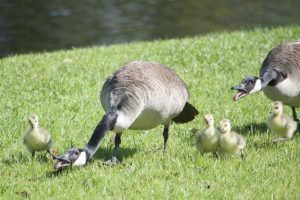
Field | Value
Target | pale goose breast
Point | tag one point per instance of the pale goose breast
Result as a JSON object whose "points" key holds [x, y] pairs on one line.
{"points": [[285, 58]]}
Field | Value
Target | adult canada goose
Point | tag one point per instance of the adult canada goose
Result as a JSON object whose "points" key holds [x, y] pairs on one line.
{"points": [[281, 124], [230, 141], [279, 77], [208, 139], [37, 138], [139, 96]]}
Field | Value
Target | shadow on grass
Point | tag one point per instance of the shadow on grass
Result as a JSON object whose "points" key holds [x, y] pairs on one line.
{"points": [[106, 153], [257, 129], [252, 129], [41, 157]]}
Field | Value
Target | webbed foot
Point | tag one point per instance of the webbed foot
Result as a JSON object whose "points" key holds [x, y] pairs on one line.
{"points": [[280, 140], [112, 161]]}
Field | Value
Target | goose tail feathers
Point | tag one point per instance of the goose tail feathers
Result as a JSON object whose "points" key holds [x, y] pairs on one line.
{"points": [[188, 113]]}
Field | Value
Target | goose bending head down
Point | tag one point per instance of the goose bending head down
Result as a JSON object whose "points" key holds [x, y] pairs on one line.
{"points": [[139, 96], [279, 77]]}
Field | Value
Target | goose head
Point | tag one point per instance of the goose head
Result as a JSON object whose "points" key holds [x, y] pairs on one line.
{"points": [[73, 157], [249, 85], [225, 126], [209, 120], [33, 120], [277, 108]]}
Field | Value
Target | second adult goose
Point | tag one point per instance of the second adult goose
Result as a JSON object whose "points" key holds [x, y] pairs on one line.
{"points": [[279, 77], [139, 96]]}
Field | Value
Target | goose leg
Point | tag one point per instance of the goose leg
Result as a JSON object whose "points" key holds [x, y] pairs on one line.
{"points": [[243, 156], [295, 114], [166, 136], [117, 145], [114, 159]]}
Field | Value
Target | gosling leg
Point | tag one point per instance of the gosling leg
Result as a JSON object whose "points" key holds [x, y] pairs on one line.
{"points": [[32, 155], [295, 114]]}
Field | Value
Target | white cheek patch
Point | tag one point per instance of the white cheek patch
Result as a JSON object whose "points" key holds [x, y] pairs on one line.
{"points": [[257, 87], [81, 160]]}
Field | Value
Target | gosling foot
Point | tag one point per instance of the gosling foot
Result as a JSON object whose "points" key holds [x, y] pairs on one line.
{"points": [[280, 140]]}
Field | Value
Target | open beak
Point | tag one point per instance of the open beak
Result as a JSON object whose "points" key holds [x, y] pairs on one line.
{"points": [[62, 161], [241, 92]]}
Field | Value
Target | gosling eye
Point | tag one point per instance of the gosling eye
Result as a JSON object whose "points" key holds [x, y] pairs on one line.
{"points": [[76, 153]]}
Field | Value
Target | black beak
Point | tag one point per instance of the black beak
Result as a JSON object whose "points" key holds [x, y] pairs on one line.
{"points": [[240, 88], [62, 158], [234, 87], [62, 161]]}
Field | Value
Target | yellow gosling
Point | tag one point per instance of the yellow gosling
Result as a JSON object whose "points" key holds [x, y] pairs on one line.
{"points": [[230, 141], [36, 138], [208, 139], [280, 124]]}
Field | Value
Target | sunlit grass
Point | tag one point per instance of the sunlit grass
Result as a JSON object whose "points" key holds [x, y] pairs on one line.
{"points": [[63, 89]]}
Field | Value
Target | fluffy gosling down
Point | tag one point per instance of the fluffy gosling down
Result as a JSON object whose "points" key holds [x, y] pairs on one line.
{"points": [[208, 139], [36, 138], [230, 141], [281, 124]]}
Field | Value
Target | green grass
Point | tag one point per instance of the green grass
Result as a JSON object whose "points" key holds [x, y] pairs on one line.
{"points": [[63, 89]]}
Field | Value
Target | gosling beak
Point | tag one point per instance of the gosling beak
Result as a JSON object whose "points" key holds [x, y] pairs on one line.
{"points": [[241, 92], [206, 121], [221, 129]]}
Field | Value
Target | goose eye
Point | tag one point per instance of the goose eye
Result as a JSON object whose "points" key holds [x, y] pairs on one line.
{"points": [[76, 153]]}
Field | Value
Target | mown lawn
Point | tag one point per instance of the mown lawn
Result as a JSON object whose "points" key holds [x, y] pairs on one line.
{"points": [[63, 89]]}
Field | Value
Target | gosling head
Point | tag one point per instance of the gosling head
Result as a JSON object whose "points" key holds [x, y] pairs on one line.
{"points": [[209, 120], [249, 85], [225, 126], [73, 157], [33, 120], [277, 108]]}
